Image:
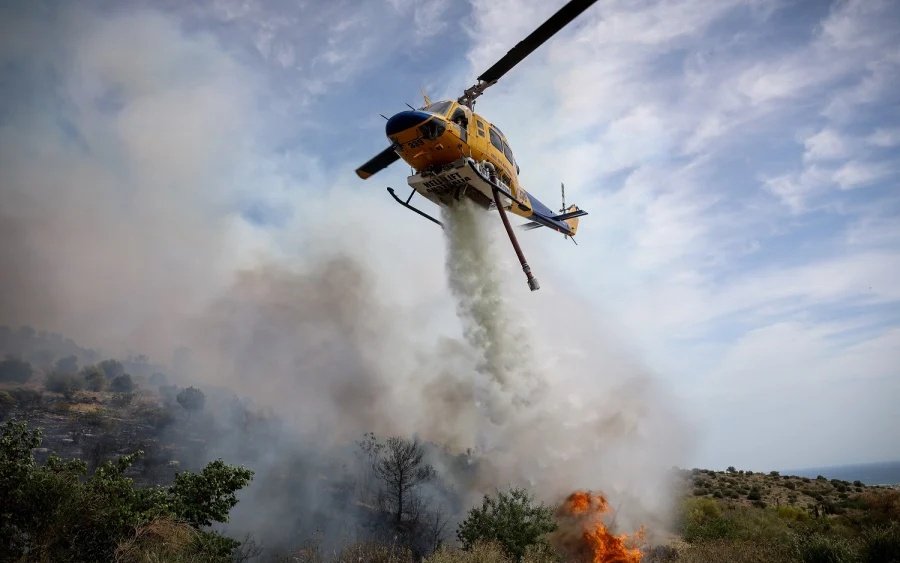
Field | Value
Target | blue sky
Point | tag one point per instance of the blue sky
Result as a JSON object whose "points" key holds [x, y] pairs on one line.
{"points": [[739, 160]]}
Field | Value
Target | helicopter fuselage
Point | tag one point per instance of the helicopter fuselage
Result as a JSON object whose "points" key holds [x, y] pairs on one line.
{"points": [[445, 132]]}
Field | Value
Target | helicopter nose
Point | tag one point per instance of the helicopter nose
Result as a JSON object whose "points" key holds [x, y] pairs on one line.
{"points": [[404, 120]]}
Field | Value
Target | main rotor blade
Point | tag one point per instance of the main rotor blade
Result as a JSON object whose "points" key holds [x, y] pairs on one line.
{"points": [[537, 38], [378, 162]]}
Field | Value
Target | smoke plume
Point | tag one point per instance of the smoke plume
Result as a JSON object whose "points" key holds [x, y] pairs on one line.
{"points": [[124, 177]]}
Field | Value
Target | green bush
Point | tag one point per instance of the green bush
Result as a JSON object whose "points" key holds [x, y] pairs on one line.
{"points": [[881, 545], [817, 548], [512, 519], [701, 519]]}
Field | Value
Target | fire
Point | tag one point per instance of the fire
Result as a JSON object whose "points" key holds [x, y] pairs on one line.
{"points": [[584, 535]]}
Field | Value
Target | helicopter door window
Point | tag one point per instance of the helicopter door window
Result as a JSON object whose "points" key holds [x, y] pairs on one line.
{"points": [[480, 128], [508, 154]]}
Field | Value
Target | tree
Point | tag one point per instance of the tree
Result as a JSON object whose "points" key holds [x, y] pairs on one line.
{"points": [[111, 368], [191, 399], [122, 384], [401, 467], [731, 469], [94, 378], [67, 365], [14, 370], [512, 519], [206, 497]]}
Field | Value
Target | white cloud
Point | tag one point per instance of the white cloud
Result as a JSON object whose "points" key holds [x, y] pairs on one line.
{"points": [[827, 144], [884, 138], [856, 174]]}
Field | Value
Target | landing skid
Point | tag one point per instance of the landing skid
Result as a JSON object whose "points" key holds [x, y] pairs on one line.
{"points": [[498, 192], [411, 208]]}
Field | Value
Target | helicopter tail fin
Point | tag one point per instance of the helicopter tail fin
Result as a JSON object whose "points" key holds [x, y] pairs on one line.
{"points": [[570, 218]]}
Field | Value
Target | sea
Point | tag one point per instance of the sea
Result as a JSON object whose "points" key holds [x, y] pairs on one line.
{"points": [[883, 473]]}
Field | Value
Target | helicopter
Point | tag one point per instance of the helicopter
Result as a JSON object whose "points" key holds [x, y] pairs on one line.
{"points": [[456, 153]]}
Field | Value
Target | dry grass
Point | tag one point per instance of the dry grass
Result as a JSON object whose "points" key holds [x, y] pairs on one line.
{"points": [[368, 552], [163, 539], [490, 552], [726, 551]]}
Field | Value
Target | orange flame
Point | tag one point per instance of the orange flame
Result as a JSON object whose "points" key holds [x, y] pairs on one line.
{"points": [[584, 536]]}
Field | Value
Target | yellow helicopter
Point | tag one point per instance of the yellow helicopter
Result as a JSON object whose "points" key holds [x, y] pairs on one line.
{"points": [[456, 153]]}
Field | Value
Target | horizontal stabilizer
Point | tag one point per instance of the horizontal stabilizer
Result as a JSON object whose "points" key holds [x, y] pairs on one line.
{"points": [[570, 215], [543, 221]]}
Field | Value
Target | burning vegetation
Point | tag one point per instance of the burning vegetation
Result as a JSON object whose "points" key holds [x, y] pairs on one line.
{"points": [[584, 534]]}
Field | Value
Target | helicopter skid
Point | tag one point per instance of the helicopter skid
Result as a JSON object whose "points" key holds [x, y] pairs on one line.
{"points": [[452, 182]]}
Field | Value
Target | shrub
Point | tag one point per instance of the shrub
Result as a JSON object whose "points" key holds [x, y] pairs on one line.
{"points": [[191, 398], [773, 474], [817, 548], [702, 519], [111, 368], [157, 417], [754, 494], [881, 545], [122, 384], [97, 419], [63, 383], [792, 513], [511, 519]]}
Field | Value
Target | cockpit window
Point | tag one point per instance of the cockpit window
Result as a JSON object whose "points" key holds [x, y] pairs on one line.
{"points": [[432, 129], [495, 140], [439, 108]]}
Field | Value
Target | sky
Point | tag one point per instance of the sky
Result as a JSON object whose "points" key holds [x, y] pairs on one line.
{"points": [[739, 159]]}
